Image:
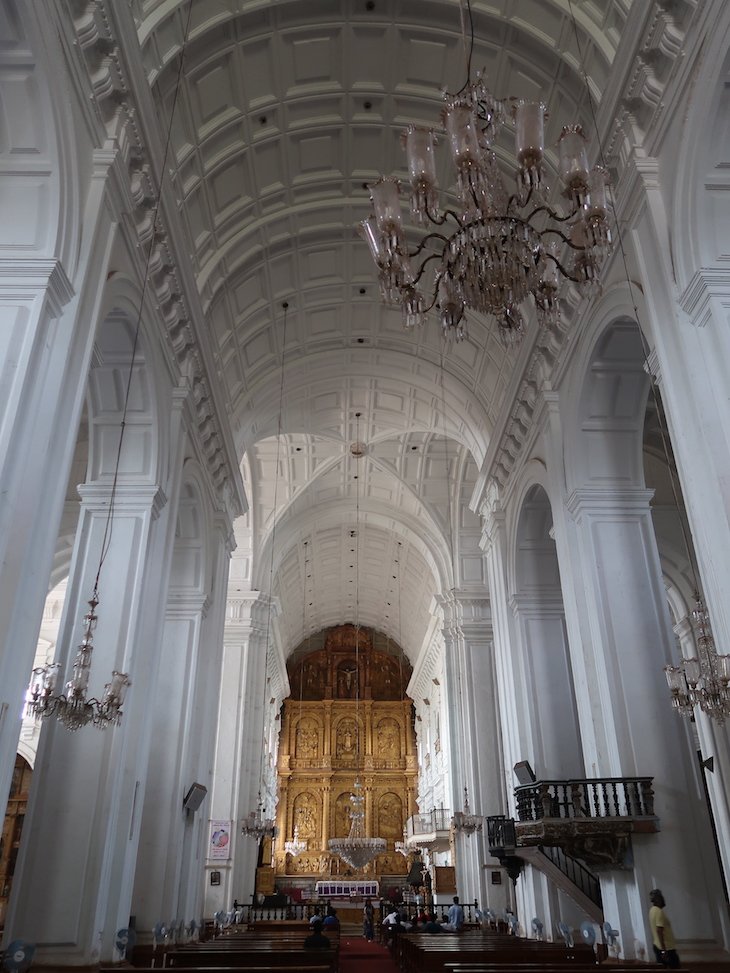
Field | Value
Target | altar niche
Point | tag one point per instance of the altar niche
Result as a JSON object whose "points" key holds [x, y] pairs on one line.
{"points": [[327, 741]]}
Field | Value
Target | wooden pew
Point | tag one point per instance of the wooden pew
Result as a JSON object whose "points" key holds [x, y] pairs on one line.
{"points": [[424, 953]]}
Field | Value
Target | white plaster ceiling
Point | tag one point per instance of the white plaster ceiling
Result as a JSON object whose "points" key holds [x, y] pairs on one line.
{"points": [[285, 111]]}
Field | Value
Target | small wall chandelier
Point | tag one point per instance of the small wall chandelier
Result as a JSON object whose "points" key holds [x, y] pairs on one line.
{"points": [[72, 708], [704, 679], [464, 822], [357, 849], [495, 248], [256, 824], [297, 845]]}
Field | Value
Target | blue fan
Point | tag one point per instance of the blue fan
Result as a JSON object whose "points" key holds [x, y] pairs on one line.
{"points": [[537, 927], [513, 922], [19, 956], [159, 934], [565, 933], [126, 938], [610, 935], [588, 932]]}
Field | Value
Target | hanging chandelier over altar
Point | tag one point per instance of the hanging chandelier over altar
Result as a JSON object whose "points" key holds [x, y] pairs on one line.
{"points": [[495, 248], [357, 849]]}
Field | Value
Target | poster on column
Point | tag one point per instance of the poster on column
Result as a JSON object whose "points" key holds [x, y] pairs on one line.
{"points": [[219, 845]]}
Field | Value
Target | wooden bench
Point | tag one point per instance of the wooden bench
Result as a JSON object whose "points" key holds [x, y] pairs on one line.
{"points": [[425, 953], [299, 958]]}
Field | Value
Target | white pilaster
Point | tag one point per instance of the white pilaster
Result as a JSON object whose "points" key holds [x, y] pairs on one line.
{"points": [[623, 603], [239, 744], [89, 786]]}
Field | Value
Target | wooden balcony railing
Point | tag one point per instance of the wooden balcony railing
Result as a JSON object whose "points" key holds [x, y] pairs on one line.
{"points": [[602, 797]]}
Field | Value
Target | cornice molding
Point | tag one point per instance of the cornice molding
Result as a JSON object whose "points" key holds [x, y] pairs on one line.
{"points": [[131, 168]]}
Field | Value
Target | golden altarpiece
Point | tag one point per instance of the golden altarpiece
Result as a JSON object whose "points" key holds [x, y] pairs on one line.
{"points": [[347, 716]]}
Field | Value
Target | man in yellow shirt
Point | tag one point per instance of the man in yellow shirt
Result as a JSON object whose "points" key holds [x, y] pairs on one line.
{"points": [[661, 932]]}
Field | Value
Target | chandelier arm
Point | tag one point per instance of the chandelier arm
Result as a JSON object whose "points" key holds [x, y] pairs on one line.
{"points": [[563, 270], [514, 200], [440, 220], [429, 236], [552, 214], [433, 256], [563, 237]]}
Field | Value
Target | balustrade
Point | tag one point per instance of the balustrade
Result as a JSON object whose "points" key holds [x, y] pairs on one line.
{"points": [[602, 797]]}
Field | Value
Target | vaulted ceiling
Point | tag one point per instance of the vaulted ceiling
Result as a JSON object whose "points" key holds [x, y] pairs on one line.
{"points": [[285, 111]]}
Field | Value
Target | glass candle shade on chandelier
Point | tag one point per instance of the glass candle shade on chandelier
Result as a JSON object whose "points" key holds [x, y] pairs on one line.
{"points": [[704, 679], [73, 709], [495, 248]]}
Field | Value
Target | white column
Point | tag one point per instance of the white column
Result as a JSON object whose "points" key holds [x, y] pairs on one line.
{"points": [[692, 347], [623, 604], [474, 753], [46, 337], [170, 867], [534, 894], [239, 744], [73, 884]]}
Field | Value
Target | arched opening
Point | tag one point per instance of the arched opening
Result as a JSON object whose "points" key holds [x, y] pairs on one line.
{"points": [[540, 615]]}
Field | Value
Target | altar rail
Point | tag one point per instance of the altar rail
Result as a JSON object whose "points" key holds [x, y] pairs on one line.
{"points": [[597, 797]]}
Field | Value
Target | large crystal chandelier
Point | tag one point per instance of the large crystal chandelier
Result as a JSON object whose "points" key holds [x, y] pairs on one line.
{"points": [[704, 679], [72, 708], [256, 824], [357, 849], [464, 822], [495, 247]]}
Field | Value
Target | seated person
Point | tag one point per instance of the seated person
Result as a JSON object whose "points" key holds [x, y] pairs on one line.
{"points": [[431, 926], [330, 920], [316, 915], [316, 939]]}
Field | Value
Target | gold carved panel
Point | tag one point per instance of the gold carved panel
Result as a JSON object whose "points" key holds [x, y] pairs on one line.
{"points": [[306, 741], [390, 817], [387, 739], [306, 816]]}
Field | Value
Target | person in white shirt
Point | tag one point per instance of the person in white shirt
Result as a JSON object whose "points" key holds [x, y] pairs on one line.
{"points": [[456, 916]]}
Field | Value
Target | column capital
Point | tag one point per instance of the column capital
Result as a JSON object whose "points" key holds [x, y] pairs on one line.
{"points": [[708, 286], [465, 614], [607, 501], [538, 606], [128, 497], [26, 277], [247, 614], [187, 605]]}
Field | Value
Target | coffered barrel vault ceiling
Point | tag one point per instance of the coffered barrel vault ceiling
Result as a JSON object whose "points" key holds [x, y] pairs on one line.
{"points": [[286, 110]]}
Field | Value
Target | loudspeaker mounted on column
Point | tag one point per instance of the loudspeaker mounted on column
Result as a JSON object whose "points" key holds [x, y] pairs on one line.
{"points": [[194, 797], [524, 773]]}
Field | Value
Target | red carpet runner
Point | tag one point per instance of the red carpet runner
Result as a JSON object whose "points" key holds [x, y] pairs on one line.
{"points": [[360, 956]]}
